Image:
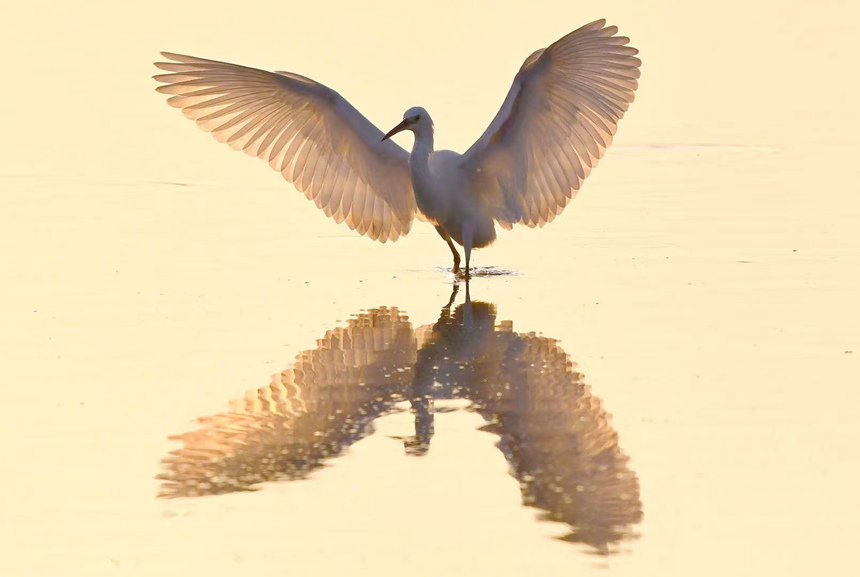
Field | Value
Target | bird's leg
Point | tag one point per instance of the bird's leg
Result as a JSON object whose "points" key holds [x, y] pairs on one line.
{"points": [[467, 306], [445, 314], [454, 291], [456, 254], [467, 245]]}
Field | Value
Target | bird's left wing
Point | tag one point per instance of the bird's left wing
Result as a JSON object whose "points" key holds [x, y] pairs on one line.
{"points": [[304, 130], [555, 124]]}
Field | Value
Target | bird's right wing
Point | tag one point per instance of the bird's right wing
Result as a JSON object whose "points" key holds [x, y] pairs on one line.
{"points": [[304, 130], [555, 124]]}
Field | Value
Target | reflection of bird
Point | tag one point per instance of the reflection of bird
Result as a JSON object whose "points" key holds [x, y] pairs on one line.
{"points": [[558, 119], [553, 432]]}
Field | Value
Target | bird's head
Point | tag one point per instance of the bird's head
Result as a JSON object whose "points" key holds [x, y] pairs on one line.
{"points": [[415, 119]]}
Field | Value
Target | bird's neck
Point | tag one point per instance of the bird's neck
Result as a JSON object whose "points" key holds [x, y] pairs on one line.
{"points": [[423, 145]]}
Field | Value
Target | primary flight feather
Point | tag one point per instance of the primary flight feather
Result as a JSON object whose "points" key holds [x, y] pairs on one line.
{"points": [[557, 120]]}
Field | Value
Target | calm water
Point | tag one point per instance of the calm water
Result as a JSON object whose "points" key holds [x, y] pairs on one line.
{"points": [[204, 376]]}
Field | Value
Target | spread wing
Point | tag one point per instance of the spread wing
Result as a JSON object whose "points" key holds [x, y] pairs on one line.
{"points": [[560, 442], [309, 133], [556, 122], [308, 414]]}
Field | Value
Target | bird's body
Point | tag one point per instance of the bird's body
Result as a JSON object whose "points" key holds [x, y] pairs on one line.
{"points": [[557, 120], [444, 196]]}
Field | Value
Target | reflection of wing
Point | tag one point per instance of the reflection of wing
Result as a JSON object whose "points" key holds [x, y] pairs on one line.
{"points": [[554, 433], [559, 441], [307, 414]]}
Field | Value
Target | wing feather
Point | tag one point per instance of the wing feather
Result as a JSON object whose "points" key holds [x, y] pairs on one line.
{"points": [[304, 130], [337, 193], [555, 124]]}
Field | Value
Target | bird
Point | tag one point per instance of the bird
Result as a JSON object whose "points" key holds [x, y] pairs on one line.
{"points": [[557, 120]]}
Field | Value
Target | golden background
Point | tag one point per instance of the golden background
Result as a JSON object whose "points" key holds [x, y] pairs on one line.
{"points": [[705, 281]]}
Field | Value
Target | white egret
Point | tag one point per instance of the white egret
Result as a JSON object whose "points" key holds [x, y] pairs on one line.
{"points": [[556, 122]]}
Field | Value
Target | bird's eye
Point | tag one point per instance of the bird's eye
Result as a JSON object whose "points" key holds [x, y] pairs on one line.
{"points": [[416, 118]]}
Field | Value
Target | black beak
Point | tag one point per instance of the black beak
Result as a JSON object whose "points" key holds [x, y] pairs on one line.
{"points": [[395, 130]]}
